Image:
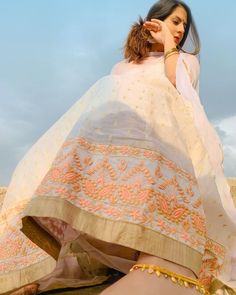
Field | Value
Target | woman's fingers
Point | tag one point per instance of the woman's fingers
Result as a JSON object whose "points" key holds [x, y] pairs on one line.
{"points": [[152, 26], [155, 20], [155, 27]]}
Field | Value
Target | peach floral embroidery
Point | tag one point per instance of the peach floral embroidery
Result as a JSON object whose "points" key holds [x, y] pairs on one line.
{"points": [[128, 184], [131, 151], [101, 180], [8, 213], [103, 165], [128, 195], [140, 169], [197, 203], [25, 252], [210, 268], [56, 226], [158, 172], [88, 161], [77, 188], [198, 222], [215, 248], [186, 225], [70, 177], [122, 165]]}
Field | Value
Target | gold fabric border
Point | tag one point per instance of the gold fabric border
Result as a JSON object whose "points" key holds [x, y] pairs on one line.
{"points": [[218, 285], [35, 233], [16, 279], [118, 232]]}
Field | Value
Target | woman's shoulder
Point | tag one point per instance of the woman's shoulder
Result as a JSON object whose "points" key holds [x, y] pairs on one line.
{"points": [[118, 67], [123, 67]]}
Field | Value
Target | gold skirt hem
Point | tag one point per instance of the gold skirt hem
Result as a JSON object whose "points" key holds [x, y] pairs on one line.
{"points": [[123, 233], [16, 279]]}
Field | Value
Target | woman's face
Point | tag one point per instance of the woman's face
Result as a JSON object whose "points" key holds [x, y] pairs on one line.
{"points": [[176, 23]]}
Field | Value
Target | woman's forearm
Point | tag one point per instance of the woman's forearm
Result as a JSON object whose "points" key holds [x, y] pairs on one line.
{"points": [[171, 61]]}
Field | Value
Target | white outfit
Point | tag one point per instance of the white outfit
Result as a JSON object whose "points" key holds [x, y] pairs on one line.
{"points": [[135, 163]]}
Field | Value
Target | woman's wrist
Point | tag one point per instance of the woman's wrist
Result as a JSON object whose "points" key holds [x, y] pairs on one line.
{"points": [[172, 51], [170, 48], [169, 44]]}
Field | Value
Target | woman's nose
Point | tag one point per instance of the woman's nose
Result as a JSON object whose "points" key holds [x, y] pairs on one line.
{"points": [[181, 28]]}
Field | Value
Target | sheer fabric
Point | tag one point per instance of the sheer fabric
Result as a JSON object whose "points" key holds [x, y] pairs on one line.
{"points": [[134, 163]]}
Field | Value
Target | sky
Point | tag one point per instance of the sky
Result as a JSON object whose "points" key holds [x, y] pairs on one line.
{"points": [[52, 51]]}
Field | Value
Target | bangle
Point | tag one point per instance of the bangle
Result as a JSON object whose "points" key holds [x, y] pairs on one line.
{"points": [[174, 49], [171, 53]]}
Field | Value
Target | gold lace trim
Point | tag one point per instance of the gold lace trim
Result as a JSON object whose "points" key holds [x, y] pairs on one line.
{"points": [[175, 277]]}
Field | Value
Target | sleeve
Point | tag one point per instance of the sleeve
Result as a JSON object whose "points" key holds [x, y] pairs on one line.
{"points": [[187, 74]]}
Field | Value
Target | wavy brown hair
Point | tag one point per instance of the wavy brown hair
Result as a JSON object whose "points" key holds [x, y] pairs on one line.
{"points": [[137, 45]]}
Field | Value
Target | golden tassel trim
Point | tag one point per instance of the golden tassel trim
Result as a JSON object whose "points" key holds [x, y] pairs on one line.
{"points": [[175, 277]]}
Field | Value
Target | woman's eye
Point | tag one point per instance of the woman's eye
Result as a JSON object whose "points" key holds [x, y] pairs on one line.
{"points": [[175, 22]]}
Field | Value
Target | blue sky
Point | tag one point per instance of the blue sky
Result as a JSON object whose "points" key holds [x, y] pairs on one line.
{"points": [[53, 50]]}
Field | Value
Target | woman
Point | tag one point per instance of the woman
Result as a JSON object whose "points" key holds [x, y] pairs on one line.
{"points": [[131, 176]]}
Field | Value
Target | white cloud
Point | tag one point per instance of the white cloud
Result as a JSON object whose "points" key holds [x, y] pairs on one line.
{"points": [[226, 129]]}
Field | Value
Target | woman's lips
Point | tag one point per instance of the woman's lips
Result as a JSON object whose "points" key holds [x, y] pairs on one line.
{"points": [[176, 39]]}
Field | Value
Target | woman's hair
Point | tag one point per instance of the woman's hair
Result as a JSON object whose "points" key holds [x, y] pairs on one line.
{"points": [[137, 45]]}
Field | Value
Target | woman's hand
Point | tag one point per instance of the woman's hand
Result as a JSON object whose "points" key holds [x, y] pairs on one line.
{"points": [[158, 30], [162, 35]]}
